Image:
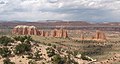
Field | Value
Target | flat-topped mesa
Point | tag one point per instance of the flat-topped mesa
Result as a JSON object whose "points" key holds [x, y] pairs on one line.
{"points": [[100, 35], [25, 30], [59, 33]]}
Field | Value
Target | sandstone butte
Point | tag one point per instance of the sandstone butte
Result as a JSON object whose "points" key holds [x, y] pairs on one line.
{"points": [[25, 30], [99, 35], [32, 30], [59, 33]]}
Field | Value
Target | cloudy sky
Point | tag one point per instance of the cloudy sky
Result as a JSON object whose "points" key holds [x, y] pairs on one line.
{"points": [[86, 10]]}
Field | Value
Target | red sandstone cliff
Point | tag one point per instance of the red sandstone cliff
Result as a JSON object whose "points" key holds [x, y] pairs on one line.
{"points": [[25, 30]]}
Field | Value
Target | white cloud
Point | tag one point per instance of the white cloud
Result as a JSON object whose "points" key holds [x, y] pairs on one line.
{"points": [[90, 10], [34, 16]]}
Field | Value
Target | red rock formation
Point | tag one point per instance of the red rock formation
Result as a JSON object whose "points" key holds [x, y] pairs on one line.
{"points": [[65, 34], [59, 33], [46, 34], [100, 35], [53, 33], [25, 30], [42, 33], [32, 30], [20, 31], [38, 32]]}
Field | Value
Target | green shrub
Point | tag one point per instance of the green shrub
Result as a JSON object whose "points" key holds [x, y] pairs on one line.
{"points": [[23, 38], [57, 59], [43, 63], [4, 40], [37, 55], [49, 44], [54, 46], [32, 62], [75, 52], [50, 51], [7, 61], [22, 48], [68, 60], [5, 52]]}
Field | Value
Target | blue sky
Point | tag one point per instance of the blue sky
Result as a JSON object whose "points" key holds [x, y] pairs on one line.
{"points": [[83, 10]]}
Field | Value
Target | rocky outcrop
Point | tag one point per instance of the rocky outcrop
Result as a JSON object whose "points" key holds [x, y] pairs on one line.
{"points": [[65, 34], [100, 35], [32, 30], [54, 33], [59, 33], [46, 34], [25, 30], [42, 33]]}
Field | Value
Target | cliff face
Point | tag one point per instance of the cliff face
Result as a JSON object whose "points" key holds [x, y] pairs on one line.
{"points": [[59, 33], [100, 35], [25, 30], [32, 30]]}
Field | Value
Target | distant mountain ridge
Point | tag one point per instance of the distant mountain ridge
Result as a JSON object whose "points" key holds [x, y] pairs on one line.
{"points": [[59, 23], [72, 25]]}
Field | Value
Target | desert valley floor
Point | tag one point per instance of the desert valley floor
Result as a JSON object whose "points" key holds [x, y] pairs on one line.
{"points": [[65, 46]]}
